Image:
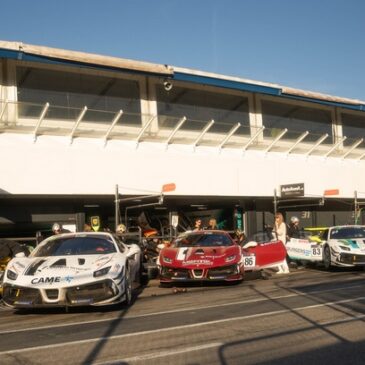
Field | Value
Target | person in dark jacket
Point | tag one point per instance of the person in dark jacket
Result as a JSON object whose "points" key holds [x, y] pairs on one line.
{"points": [[294, 230], [197, 225], [58, 229]]}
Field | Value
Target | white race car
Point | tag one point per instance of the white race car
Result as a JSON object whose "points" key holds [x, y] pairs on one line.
{"points": [[339, 246], [73, 269], [304, 249]]}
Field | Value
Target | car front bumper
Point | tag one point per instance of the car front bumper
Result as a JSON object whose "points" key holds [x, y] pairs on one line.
{"points": [[224, 273], [350, 259], [97, 293]]}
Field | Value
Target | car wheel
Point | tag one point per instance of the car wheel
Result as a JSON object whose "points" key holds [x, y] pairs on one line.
{"points": [[152, 273], [127, 287], [142, 275], [327, 258]]}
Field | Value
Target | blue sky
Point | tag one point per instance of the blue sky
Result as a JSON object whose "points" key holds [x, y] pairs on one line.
{"points": [[316, 45]]}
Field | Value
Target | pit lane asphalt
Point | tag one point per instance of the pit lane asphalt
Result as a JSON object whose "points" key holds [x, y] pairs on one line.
{"points": [[308, 314]]}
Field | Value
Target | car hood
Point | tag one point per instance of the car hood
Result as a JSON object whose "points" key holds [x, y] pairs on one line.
{"points": [[202, 257], [51, 271], [355, 244]]}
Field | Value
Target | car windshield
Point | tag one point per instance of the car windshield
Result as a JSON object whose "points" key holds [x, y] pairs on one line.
{"points": [[203, 240], [348, 233], [80, 245]]}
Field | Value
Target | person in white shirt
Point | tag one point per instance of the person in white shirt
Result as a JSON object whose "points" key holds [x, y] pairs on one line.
{"points": [[279, 232]]}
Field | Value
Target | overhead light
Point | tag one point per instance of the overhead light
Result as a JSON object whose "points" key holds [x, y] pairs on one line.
{"points": [[202, 207], [91, 205], [137, 200], [160, 208], [198, 205]]}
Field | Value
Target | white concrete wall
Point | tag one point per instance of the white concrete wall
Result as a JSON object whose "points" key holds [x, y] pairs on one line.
{"points": [[52, 165]]}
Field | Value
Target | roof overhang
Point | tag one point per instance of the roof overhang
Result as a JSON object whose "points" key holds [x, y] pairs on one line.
{"points": [[206, 78], [27, 52], [22, 51]]}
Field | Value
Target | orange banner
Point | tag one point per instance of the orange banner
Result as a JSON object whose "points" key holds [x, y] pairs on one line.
{"points": [[331, 192], [168, 187]]}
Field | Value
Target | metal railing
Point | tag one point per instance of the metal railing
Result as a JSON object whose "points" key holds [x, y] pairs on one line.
{"points": [[47, 119]]}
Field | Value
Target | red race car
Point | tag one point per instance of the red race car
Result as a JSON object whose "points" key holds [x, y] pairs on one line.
{"points": [[261, 251], [201, 256]]}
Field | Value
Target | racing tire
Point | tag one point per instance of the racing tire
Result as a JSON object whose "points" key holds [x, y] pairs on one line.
{"points": [[143, 278], [327, 258], [127, 287], [142, 275], [152, 273]]}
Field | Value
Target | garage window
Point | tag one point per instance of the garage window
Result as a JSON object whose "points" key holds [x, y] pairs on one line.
{"points": [[201, 106], [353, 127], [72, 91], [297, 119]]}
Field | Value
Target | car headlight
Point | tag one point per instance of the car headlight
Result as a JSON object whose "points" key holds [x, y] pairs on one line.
{"points": [[230, 258], [344, 248], [166, 259], [11, 275], [101, 272]]}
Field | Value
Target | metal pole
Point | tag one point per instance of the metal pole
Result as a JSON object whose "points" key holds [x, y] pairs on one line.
{"points": [[275, 202], [205, 130], [40, 120], [116, 207], [77, 122], [114, 122], [356, 207]]}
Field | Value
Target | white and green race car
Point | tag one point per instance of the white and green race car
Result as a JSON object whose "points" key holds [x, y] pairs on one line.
{"points": [[342, 246]]}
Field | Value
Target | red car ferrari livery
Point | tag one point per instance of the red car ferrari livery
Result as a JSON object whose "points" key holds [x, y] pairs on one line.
{"points": [[261, 252], [201, 256]]}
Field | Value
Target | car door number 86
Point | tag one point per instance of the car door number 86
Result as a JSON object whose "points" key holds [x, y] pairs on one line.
{"points": [[249, 261]]}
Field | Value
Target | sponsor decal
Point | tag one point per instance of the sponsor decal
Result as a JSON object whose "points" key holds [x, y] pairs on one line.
{"points": [[69, 278], [300, 251], [314, 250], [46, 280], [197, 262], [66, 268], [213, 257]]}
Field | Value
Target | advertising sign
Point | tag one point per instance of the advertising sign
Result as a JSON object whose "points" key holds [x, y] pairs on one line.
{"points": [[291, 190]]}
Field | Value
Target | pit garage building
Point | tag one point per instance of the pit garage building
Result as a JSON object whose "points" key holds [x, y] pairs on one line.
{"points": [[74, 125]]}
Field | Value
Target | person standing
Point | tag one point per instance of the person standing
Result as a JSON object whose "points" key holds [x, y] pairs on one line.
{"points": [[279, 229], [212, 224], [58, 229], [197, 225], [294, 231], [279, 232]]}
